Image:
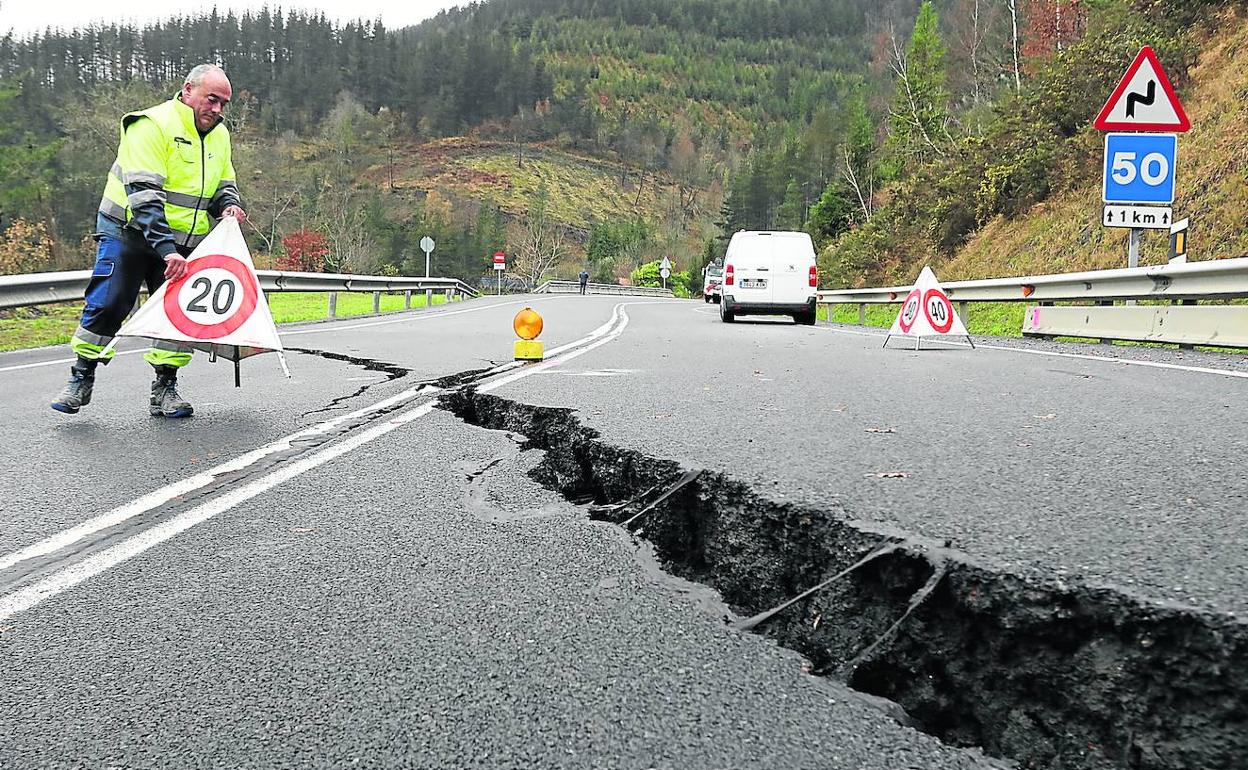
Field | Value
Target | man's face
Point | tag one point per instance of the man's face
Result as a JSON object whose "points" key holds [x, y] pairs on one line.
{"points": [[207, 99]]}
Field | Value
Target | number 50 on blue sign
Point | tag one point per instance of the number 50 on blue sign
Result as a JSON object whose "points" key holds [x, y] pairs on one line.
{"points": [[1139, 168]]}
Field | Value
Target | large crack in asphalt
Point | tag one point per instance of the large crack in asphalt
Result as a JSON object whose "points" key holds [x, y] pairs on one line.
{"points": [[1053, 675]]}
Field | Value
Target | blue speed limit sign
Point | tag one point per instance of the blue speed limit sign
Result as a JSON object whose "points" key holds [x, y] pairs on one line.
{"points": [[1139, 168]]}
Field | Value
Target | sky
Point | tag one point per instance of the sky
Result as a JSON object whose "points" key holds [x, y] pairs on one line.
{"points": [[26, 16]]}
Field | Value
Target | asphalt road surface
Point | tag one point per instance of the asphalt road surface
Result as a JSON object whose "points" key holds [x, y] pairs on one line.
{"points": [[329, 570]]}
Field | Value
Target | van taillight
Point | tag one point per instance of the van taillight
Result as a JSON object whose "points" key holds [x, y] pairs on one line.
{"points": [[814, 277], [728, 274]]}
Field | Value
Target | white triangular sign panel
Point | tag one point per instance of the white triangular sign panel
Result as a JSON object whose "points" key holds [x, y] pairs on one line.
{"points": [[217, 307], [927, 311], [1144, 100]]}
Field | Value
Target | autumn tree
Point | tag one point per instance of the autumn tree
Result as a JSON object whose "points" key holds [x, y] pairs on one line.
{"points": [[25, 247], [1052, 26], [304, 251], [688, 171]]}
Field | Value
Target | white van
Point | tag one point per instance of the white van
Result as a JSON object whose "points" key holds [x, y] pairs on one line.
{"points": [[769, 273]]}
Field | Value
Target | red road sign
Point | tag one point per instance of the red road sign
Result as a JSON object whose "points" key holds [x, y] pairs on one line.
{"points": [[939, 310], [909, 311], [1144, 100], [210, 298]]}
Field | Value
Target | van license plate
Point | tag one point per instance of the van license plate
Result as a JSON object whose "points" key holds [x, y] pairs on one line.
{"points": [[753, 283]]}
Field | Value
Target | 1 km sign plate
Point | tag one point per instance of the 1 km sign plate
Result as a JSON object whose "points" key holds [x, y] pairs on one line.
{"points": [[1143, 217]]}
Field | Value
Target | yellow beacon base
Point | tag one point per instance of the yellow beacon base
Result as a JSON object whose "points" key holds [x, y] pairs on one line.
{"points": [[530, 350]]}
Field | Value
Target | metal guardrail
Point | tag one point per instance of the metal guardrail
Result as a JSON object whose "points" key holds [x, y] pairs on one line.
{"points": [[45, 288], [1184, 324], [1215, 279], [574, 287]]}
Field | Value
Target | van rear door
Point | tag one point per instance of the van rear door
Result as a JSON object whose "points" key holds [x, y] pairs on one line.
{"points": [[790, 270], [755, 278]]}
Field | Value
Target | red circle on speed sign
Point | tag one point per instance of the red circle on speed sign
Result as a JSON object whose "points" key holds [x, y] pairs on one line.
{"points": [[183, 323], [939, 310], [909, 312]]}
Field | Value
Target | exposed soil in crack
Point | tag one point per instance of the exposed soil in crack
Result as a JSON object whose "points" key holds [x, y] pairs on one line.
{"points": [[1053, 675]]}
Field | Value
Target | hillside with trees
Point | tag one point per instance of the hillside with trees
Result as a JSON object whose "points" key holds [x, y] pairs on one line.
{"points": [[606, 132], [980, 158]]}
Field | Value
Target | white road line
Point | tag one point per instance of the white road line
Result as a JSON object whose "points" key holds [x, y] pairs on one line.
{"points": [[25, 598], [1055, 354], [163, 495], [68, 577], [58, 362]]}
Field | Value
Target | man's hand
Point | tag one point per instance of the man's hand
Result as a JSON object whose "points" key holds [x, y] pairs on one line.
{"points": [[175, 267], [236, 212]]}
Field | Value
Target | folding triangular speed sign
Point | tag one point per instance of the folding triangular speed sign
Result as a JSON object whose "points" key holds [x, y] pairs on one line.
{"points": [[927, 312], [1144, 100], [217, 307]]}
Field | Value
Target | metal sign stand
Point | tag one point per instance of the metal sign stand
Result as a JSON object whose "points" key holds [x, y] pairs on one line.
{"points": [[426, 245]]}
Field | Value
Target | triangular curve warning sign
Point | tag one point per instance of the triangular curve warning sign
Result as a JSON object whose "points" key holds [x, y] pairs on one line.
{"points": [[1144, 100], [217, 307], [927, 312]]}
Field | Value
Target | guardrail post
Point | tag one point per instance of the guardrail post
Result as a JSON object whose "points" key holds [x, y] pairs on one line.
{"points": [[333, 304], [1105, 303], [407, 300], [1187, 302], [376, 302], [963, 306], [862, 313], [449, 293], [428, 298]]}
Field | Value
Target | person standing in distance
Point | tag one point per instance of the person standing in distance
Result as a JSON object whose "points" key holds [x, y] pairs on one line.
{"points": [[584, 277], [173, 176]]}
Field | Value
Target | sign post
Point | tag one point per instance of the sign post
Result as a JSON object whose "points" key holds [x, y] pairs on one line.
{"points": [[1140, 167], [500, 264], [665, 270], [426, 245]]}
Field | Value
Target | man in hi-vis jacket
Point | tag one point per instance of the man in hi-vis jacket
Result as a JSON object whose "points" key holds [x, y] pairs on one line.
{"points": [[172, 178]]}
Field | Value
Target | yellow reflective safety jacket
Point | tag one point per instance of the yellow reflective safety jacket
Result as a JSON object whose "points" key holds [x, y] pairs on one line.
{"points": [[164, 166]]}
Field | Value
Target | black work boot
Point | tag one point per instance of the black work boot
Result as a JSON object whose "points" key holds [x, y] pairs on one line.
{"points": [[165, 399], [77, 393]]}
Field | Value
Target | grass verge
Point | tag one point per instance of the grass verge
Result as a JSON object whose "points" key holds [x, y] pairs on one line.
{"points": [[994, 319]]}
